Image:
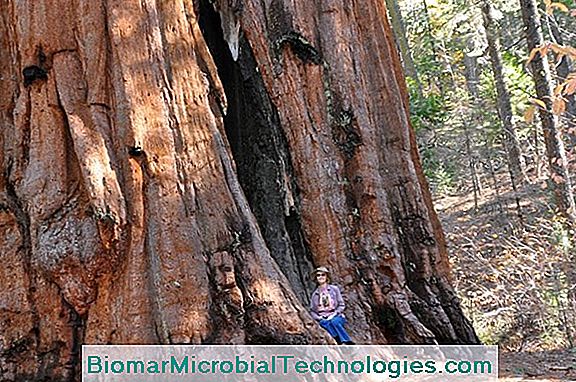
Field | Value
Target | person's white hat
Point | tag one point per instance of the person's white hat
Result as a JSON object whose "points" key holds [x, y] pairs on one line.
{"points": [[320, 270]]}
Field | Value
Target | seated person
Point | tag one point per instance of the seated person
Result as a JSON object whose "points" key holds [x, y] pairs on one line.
{"points": [[327, 305]]}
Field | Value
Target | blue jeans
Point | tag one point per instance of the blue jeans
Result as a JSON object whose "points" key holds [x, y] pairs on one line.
{"points": [[336, 329]]}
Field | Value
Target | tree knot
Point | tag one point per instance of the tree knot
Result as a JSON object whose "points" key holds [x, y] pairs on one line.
{"points": [[301, 47], [32, 73]]}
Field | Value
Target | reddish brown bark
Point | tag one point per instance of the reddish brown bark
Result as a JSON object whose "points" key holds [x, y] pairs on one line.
{"points": [[126, 219]]}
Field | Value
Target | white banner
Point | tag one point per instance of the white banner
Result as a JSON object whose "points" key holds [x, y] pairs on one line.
{"points": [[289, 363]]}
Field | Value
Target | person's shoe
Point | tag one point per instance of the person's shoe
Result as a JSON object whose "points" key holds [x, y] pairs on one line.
{"points": [[349, 343]]}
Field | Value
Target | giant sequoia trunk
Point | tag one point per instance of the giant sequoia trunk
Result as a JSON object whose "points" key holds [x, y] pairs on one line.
{"points": [[171, 174]]}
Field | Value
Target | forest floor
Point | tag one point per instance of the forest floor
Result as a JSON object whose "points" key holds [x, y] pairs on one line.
{"points": [[509, 273], [553, 365]]}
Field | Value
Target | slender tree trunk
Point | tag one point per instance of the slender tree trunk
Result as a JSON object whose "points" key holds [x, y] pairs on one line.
{"points": [[562, 71], [471, 76], [569, 118], [511, 143], [472, 80], [495, 183], [133, 211], [554, 147], [472, 165], [400, 36], [436, 82]]}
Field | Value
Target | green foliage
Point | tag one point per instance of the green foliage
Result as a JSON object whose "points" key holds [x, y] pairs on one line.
{"points": [[426, 112], [442, 178], [563, 236], [568, 3], [520, 84]]}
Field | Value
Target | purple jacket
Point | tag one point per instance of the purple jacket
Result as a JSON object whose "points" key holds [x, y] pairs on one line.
{"points": [[335, 295]]}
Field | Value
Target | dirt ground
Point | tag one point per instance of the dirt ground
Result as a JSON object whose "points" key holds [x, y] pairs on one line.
{"points": [[474, 235], [544, 366]]}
